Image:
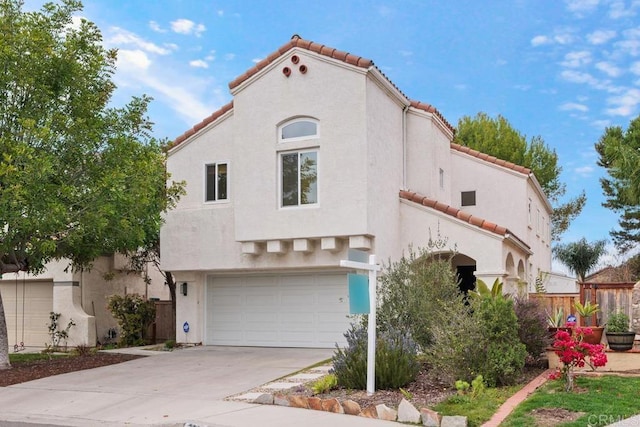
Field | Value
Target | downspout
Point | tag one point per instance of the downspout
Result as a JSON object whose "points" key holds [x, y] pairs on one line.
{"points": [[404, 147]]}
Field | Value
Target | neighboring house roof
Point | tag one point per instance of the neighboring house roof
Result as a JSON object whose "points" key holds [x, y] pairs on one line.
{"points": [[461, 215], [490, 159], [297, 41]]}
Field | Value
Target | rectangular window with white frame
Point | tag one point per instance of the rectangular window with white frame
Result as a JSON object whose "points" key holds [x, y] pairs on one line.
{"points": [[216, 186], [299, 178]]}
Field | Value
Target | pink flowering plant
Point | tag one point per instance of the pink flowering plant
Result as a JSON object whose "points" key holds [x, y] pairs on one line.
{"points": [[573, 352]]}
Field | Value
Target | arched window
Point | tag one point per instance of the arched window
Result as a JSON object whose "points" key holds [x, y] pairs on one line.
{"points": [[296, 129]]}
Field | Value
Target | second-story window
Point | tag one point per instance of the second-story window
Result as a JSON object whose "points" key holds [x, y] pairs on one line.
{"points": [[468, 198], [216, 182], [299, 178]]}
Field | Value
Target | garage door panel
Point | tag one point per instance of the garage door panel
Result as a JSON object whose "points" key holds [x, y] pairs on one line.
{"points": [[27, 305], [278, 310]]}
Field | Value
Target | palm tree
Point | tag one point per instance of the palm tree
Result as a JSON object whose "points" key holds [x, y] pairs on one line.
{"points": [[581, 256]]}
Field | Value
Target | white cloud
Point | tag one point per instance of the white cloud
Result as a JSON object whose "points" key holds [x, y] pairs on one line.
{"points": [[576, 59], [523, 88], [624, 105], [578, 77], [601, 124], [172, 46], [600, 36], [220, 12], [460, 86], [186, 26], [124, 37], [582, 6], [635, 68], [629, 46], [132, 60], [156, 27], [573, 106], [609, 69], [199, 63], [584, 171], [540, 40], [618, 10], [229, 56], [405, 53], [256, 60]]}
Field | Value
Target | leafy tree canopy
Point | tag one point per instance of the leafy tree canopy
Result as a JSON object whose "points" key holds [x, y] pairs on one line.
{"points": [[78, 177], [497, 137], [619, 154]]}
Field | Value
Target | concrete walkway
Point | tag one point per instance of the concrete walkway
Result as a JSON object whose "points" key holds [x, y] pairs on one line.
{"points": [[171, 389]]}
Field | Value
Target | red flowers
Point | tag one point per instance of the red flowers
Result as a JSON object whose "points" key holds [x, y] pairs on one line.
{"points": [[573, 352]]}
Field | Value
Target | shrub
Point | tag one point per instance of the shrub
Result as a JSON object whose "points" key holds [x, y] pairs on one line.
{"points": [[618, 322], [396, 359], [170, 344], [57, 335], [504, 354], [532, 325], [414, 294], [325, 384], [134, 315]]}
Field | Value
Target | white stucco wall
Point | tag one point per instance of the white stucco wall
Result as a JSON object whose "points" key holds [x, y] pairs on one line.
{"points": [[428, 151]]}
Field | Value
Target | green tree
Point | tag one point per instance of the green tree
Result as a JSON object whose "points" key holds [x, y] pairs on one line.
{"points": [[78, 177], [497, 137], [619, 154], [581, 256]]}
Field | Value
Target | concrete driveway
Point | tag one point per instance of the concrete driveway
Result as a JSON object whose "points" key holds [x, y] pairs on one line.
{"points": [[170, 389]]}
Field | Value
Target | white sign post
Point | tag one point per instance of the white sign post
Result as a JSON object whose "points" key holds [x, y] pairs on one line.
{"points": [[371, 341]]}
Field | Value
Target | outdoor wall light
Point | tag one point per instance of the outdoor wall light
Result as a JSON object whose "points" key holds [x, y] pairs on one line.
{"points": [[183, 289]]}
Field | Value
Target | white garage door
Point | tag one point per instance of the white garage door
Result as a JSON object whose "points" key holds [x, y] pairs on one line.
{"points": [[307, 310], [26, 307]]}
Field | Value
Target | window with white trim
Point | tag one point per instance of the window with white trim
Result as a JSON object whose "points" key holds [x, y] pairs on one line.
{"points": [[298, 129], [299, 177], [216, 182]]}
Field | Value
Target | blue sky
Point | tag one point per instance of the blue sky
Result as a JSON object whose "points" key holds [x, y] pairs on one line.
{"points": [[563, 70]]}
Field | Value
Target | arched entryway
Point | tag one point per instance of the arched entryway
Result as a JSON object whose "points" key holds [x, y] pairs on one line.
{"points": [[465, 268]]}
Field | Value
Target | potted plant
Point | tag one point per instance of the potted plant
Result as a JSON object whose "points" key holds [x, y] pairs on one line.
{"points": [[556, 322], [586, 311], [619, 337]]}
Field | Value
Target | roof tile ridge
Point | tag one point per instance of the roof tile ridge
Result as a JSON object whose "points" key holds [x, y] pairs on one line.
{"points": [[489, 158], [433, 110], [203, 123], [454, 212]]}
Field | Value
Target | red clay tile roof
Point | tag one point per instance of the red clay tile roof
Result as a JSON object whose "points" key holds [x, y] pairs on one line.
{"points": [[212, 118], [431, 109], [490, 159], [457, 213], [297, 41]]}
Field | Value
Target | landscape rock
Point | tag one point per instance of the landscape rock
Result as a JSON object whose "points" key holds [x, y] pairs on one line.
{"points": [[369, 412], [280, 400], [332, 405], [386, 413], [453, 421], [407, 413], [315, 403], [352, 408], [430, 418], [264, 399], [298, 402]]}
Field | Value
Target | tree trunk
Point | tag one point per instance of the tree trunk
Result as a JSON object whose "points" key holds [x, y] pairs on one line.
{"points": [[4, 340], [172, 289]]}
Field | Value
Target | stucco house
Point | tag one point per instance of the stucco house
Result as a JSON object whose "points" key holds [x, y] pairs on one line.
{"points": [[80, 296], [318, 153]]}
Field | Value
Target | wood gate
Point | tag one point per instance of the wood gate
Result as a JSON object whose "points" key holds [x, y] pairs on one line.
{"points": [[164, 327]]}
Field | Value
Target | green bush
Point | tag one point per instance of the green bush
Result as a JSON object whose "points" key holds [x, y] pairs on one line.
{"points": [[504, 354], [415, 293], [134, 315], [532, 325], [396, 359], [325, 384]]}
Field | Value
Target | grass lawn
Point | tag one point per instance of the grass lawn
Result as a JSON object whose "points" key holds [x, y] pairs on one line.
{"points": [[600, 400], [32, 357], [480, 409]]}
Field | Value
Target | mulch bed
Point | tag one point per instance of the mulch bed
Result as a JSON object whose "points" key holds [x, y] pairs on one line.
{"points": [[27, 371]]}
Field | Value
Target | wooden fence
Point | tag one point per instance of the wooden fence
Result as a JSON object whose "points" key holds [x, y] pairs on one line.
{"points": [[609, 296]]}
